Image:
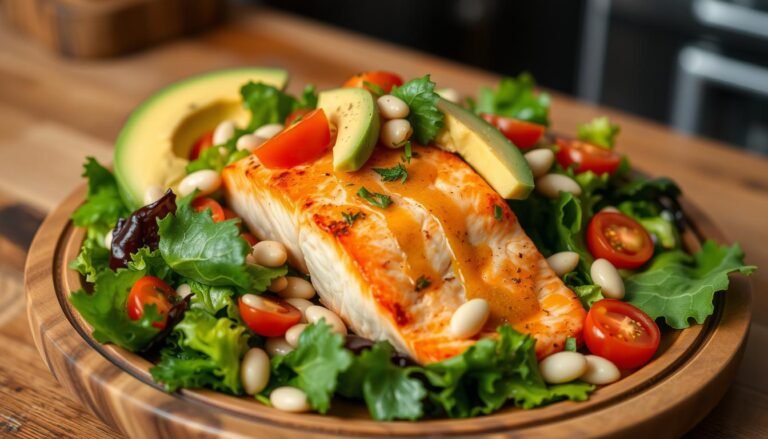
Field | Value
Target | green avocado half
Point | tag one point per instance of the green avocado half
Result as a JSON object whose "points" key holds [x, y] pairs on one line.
{"points": [[354, 113], [153, 146]]}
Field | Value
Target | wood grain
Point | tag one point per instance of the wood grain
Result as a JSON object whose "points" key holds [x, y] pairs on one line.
{"points": [[86, 103]]}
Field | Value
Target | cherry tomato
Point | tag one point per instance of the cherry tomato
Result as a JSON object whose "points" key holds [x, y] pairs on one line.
{"points": [[201, 204], [523, 134], [619, 239], [204, 142], [271, 318], [229, 213], [621, 333], [249, 238], [385, 80], [586, 157], [150, 290], [302, 142], [296, 116]]}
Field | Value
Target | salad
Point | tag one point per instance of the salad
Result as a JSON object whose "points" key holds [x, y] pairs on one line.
{"points": [[383, 242]]}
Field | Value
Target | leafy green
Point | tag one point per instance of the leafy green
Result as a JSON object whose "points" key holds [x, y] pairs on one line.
{"points": [[103, 204], [151, 263], [268, 104], [207, 354], [588, 294], [407, 152], [515, 97], [424, 116], [350, 217], [195, 246], [213, 299], [93, 257], [600, 131], [106, 311], [389, 391], [492, 372], [374, 198], [397, 172], [678, 287], [308, 97], [314, 366], [570, 344]]}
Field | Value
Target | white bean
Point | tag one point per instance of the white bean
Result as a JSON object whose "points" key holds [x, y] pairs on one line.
{"points": [[183, 290], [206, 181], [562, 367], [540, 161], [293, 333], [289, 399], [600, 370], [470, 318], [223, 132], [298, 287], [605, 275], [277, 346], [249, 142], [301, 305], [449, 94], [108, 240], [551, 185], [316, 313], [152, 194], [253, 301], [563, 262], [270, 253], [610, 209], [395, 132], [269, 131], [278, 284], [249, 259], [392, 107], [254, 371]]}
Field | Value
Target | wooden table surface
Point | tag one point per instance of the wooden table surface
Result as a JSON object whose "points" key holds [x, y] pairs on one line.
{"points": [[54, 112]]}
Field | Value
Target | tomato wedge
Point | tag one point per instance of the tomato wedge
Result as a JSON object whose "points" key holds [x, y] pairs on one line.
{"points": [[618, 238], [296, 116], [249, 238], [150, 290], [201, 204], [586, 157], [302, 142], [204, 142], [621, 333], [268, 317], [385, 80], [523, 134]]}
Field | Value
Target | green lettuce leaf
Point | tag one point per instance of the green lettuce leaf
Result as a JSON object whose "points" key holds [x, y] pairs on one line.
{"points": [[103, 204], [678, 287], [268, 104], [600, 131], [588, 294], [424, 116], [517, 98], [105, 310], [314, 366], [151, 263], [213, 299], [93, 257]]}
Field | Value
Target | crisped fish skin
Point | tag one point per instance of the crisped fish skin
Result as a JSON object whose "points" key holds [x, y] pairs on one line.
{"points": [[399, 273]]}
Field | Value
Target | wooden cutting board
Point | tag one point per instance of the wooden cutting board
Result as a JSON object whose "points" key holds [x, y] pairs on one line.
{"points": [[103, 28]]}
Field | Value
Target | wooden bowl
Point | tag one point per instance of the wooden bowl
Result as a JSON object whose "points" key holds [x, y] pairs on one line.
{"points": [[690, 373]]}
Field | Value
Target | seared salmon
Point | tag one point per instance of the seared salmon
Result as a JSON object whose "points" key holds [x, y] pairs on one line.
{"points": [[398, 273]]}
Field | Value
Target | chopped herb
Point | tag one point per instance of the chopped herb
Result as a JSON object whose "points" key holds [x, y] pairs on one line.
{"points": [[350, 218], [375, 198], [498, 213], [422, 282], [570, 344], [408, 152], [394, 173], [374, 88]]}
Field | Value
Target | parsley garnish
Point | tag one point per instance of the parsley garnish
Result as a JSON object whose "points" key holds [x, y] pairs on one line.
{"points": [[350, 217], [407, 152], [375, 198], [375, 89], [424, 116], [498, 213], [422, 282], [394, 173], [570, 344]]}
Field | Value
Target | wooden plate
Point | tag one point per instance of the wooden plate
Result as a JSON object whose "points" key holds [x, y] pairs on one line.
{"points": [[665, 398]]}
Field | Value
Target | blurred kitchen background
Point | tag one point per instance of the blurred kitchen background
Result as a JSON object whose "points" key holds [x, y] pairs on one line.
{"points": [[700, 66]]}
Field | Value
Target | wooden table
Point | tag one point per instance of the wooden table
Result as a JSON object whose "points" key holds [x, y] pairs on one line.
{"points": [[54, 112]]}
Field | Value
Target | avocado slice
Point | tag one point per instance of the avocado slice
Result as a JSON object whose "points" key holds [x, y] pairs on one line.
{"points": [[152, 147], [481, 145], [355, 115]]}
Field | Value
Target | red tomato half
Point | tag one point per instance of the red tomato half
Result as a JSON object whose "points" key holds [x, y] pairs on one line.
{"points": [[621, 333], [302, 142], [586, 157], [619, 239], [201, 204], [296, 116], [150, 290], [385, 80], [249, 238], [271, 317], [523, 134], [204, 142]]}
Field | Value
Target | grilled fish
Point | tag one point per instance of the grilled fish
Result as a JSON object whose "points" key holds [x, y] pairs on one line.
{"points": [[399, 272]]}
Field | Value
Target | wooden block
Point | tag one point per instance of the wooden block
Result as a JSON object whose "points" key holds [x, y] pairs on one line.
{"points": [[95, 29]]}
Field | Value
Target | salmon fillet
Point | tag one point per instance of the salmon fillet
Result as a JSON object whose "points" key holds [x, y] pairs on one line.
{"points": [[399, 273]]}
